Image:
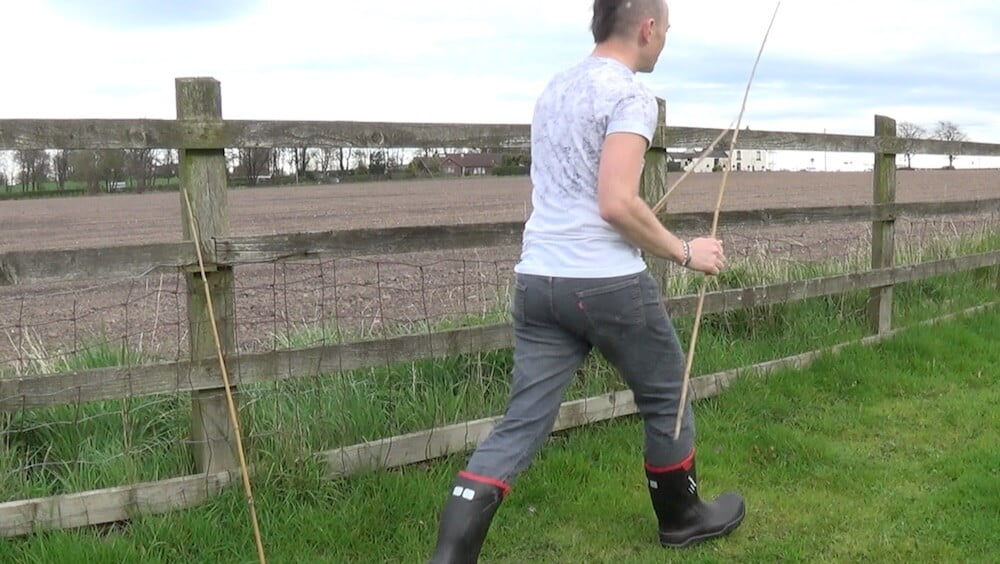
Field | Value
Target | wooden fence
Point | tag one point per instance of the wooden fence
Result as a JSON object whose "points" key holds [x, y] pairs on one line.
{"points": [[202, 135]]}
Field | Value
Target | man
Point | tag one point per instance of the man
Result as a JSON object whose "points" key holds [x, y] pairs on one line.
{"points": [[582, 283]]}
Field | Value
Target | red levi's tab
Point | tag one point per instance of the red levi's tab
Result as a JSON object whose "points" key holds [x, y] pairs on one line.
{"points": [[485, 480], [682, 465]]}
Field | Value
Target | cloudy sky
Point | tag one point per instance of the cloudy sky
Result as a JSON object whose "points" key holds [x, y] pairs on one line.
{"points": [[827, 65]]}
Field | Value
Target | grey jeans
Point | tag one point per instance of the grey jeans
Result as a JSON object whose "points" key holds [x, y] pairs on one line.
{"points": [[557, 321]]}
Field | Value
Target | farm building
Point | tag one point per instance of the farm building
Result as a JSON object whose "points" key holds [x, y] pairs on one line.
{"points": [[470, 164], [744, 159]]}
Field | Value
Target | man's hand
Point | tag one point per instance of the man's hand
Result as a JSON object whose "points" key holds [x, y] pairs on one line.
{"points": [[707, 255]]}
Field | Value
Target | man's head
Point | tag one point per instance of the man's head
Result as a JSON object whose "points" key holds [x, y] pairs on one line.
{"points": [[638, 24]]}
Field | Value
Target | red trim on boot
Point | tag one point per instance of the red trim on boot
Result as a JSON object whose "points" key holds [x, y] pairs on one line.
{"points": [[682, 465], [485, 480]]}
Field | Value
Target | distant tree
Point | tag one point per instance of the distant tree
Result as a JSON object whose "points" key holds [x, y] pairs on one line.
{"points": [[34, 166], [255, 162], [377, 163], [83, 168], [5, 175], [111, 166], [300, 160], [324, 159], [60, 166], [910, 131], [105, 166], [166, 167], [141, 167], [343, 158], [949, 131], [361, 157]]}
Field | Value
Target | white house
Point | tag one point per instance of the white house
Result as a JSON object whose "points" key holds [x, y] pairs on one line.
{"points": [[743, 159], [752, 160]]}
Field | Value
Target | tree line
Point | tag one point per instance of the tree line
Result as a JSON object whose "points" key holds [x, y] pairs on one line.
{"points": [[96, 170], [107, 170], [942, 131]]}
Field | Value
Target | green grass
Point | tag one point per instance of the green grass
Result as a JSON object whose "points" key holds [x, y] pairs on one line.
{"points": [[882, 454], [72, 448]]}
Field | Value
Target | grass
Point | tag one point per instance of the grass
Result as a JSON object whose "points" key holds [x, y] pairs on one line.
{"points": [[882, 454]]}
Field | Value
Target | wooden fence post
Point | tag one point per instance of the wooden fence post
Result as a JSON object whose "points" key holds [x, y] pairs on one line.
{"points": [[883, 231], [203, 176], [653, 185]]}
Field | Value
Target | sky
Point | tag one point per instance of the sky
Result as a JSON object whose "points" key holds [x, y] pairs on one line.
{"points": [[827, 65]]}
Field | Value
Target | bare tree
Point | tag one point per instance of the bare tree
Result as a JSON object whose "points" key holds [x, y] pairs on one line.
{"points": [[255, 162], [95, 167], [34, 165], [343, 158], [83, 168], [111, 166], [910, 132], [361, 157], [60, 166], [377, 163], [140, 165], [325, 158], [166, 167], [5, 172], [949, 131], [300, 160]]}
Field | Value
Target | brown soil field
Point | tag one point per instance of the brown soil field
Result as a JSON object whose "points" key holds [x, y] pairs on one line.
{"points": [[147, 312]]}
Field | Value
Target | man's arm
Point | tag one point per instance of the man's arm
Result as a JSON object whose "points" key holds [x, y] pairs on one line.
{"points": [[622, 207]]}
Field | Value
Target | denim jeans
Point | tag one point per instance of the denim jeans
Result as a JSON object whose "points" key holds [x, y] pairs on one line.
{"points": [[557, 321]]}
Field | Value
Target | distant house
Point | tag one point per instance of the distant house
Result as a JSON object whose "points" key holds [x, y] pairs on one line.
{"points": [[470, 164], [716, 160], [752, 160]]}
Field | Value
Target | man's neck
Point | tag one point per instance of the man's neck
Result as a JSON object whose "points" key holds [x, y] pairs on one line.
{"points": [[613, 49]]}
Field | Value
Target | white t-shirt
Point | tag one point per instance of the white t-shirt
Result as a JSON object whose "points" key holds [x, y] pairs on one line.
{"points": [[565, 235]]}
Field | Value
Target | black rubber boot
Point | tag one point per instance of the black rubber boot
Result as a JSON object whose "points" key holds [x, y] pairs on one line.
{"points": [[466, 518], [684, 519]]}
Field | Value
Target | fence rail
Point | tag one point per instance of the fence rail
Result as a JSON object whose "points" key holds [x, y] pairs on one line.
{"points": [[52, 265], [134, 381], [16, 134]]}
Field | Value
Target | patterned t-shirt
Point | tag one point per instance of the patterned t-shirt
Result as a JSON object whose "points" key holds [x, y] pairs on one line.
{"points": [[565, 235]]}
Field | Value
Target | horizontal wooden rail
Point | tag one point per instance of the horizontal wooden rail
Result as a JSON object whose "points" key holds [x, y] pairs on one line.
{"points": [[193, 134], [178, 134], [366, 242], [135, 381], [28, 267], [125, 261], [398, 240], [110, 505]]}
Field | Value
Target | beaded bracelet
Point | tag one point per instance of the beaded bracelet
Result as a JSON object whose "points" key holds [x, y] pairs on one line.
{"points": [[687, 254]]}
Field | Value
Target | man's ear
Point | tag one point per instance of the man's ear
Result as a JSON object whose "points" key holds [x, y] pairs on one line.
{"points": [[646, 29]]}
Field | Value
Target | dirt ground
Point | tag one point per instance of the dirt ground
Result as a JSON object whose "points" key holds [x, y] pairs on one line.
{"points": [[148, 312]]}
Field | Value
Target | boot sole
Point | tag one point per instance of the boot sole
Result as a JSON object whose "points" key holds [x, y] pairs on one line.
{"points": [[728, 528]]}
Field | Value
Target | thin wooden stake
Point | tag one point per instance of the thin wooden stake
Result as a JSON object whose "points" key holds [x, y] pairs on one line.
{"points": [[715, 226], [225, 379]]}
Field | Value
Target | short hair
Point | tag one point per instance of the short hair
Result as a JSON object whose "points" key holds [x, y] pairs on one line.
{"points": [[616, 17]]}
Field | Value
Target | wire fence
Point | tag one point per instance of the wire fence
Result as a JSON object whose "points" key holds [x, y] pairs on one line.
{"points": [[286, 305]]}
